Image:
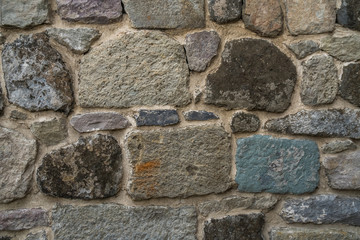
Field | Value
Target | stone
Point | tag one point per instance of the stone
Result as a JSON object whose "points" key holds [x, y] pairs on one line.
{"points": [[310, 16], [90, 11], [321, 123], [200, 48], [35, 75], [2, 38], [338, 146], [113, 221], [276, 165], [24, 14], [197, 95], [263, 17], [140, 68], [180, 162], [5, 238], [17, 158], [1, 102], [349, 14], [98, 121], [88, 169], [165, 14], [20, 219], [341, 47], [37, 236], [78, 40], [304, 48], [17, 115], [50, 132], [224, 11], [349, 85], [313, 234], [238, 227], [319, 83], [199, 115], [156, 118], [322, 209], [259, 77], [244, 122]]}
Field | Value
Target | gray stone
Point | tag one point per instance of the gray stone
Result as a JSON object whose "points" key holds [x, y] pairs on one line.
{"points": [[50, 132], [1, 102], [322, 209], [88, 169], [166, 14], [197, 95], [23, 13], [313, 234], [224, 11], [258, 77], [178, 162], [323, 123], [199, 115], [90, 11], [244, 122], [304, 48], [20, 219], [17, 158], [200, 48], [140, 68], [37, 236], [112, 221], [17, 115], [2, 38], [5, 238], [349, 14], [343, 47], [78, 40], [156, 118], [338, 146], [103, 121], [35, 75], [349, 85]]}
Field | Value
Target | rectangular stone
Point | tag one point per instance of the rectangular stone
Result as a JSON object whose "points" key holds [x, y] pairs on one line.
{"points": [[313, 234], [20, 219]]}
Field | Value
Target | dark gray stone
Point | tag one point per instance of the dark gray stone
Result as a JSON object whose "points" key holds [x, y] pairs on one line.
{"points": [[349, 86], [17, 115], [244, 122], [102, 121], [349, 14], [37, 236], [2, 38], [312, 234], [20, 219], [1, 102], [156, 118], [338, 146], [50, 132], [304, 48], [343, 47], [199, 115], [224, 11], [5, 238]]}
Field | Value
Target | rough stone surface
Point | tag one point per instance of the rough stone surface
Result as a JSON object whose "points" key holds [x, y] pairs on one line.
{"points": [[276, 165], [112, 221], [258, 77], [197, 95], [313, 234], [78, 40], [2, 38], [224, 11], [200, 48], [5, 238], [88, 169], [263, 17], [349, 14], [36, 77], [178, 162], [342, 47], [323, 123], [17, 158], [17, 115], [349, 86], [244, 122], [199, 115], [50, 132], [90, 11], [238, 227], [310, 16], [338, 146], [1, 102], [141, 68], [157, 118], [166, 14], [20, 219], [23, 13], [36, 236], [89, 122], [304, 48]]}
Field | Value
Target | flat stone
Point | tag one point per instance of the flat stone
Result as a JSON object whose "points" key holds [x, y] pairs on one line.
{"points": [[2, 38], [200, 48], [199, 115], [37, 236], [304, 48], [264, 79], [322, 123], [35, 75], [310, 16], [20, 219], [342, 47], [263, 17], [349, 14], [322, 209], [349, 85], [244, 122], [238, 227], [24, 14], [140, 68], [103, 121], [17, 160], [17, 115], [78, 40], [90, 11], [156, 118], [88, 169], [224, 11], [164, 14], [179, 162], [5, 238], [50, 132], [338, 146], [113, 221], [313, 234]]}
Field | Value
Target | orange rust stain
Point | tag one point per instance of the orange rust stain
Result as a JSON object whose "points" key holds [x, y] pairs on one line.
{"points": [[146, 167], [148, 17]]}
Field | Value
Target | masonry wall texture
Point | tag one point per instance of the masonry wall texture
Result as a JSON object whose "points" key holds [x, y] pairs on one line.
{"points": [[179, 119]]}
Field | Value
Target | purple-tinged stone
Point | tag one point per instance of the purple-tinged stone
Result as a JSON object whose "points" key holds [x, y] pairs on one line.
{"points": [[20, 219]]}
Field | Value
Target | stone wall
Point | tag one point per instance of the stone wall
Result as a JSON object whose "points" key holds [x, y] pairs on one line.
{"points": [[169, 119]]}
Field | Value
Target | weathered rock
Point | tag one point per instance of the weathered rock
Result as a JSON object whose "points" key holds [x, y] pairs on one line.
{"points": [[112, 221], [5, 238], [197, 95], [244, 122], [224, 11], [304, 48], [164, 14], [178, 162], [35, 75], [349, 86], [78, 40], [349, 14], [200, 48], [1, 102], [37, 236], [24, 14], [322, 209], [157, 118], [342, 47], [50, 132], [310, 16], [20, 219], [338, 146], [238, 227], [141, 68], [2, 38], [263, 17], [16, 164], [89, 122], [88, 169], [17, 115], [313, 234], [199, 115], [323, 123], [90, 11]]}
